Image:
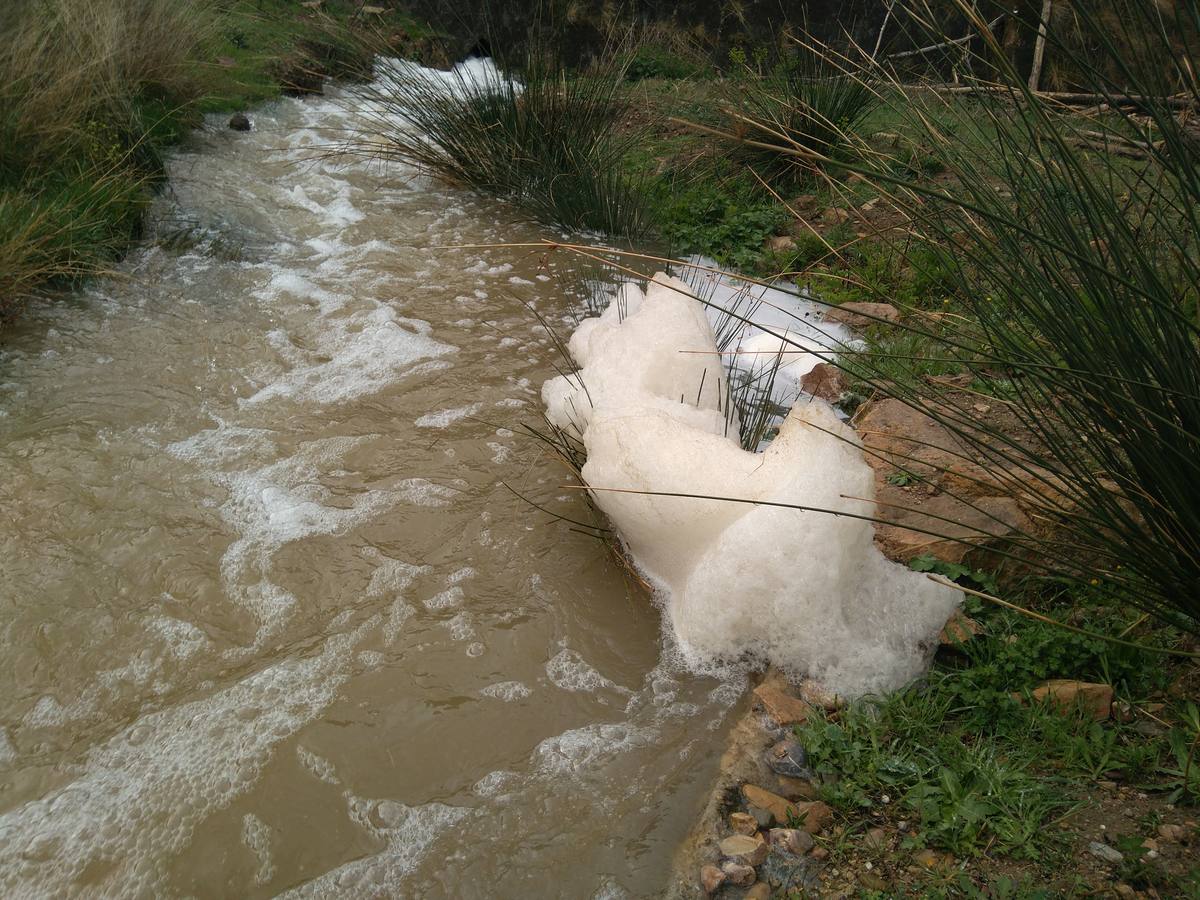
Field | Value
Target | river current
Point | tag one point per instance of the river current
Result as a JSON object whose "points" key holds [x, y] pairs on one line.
{"points": [[271, 621]]}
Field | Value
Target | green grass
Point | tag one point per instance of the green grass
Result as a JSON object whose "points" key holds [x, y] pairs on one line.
{"points": [[977, 770]]}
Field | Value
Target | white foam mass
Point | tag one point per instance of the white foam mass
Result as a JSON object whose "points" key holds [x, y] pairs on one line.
{"points": [[807, 591]]}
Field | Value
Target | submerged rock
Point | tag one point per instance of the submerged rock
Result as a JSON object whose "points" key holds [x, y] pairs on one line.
{"points": [[239, 122]]}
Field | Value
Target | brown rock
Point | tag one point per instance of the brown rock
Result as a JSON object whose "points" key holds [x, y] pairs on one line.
{"points": [[781, 243], [860, 315], [760, 891], [834, 216], [826, 381], [783, 708], [970, 506], [711, 879], [1065, 695], [813, 814], [745, 849], [743, 823], [797, 788], [796, 841], [738, 873], [959, 629], [819, 853]]}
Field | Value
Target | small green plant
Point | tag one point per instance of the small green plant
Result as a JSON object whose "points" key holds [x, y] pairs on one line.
{"points": [[902, 478]]}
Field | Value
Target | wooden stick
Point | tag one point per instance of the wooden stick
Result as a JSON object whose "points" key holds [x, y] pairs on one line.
{"points": [[962, 40], [1039, 47]]}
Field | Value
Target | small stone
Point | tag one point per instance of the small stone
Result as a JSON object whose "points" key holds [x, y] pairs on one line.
{"points": [[787, 758], [745, 849], [1125, 890], [902, 826], [784, 709], [1065, 695], [760, 891], [743, 823], [1106, 853], [959, 629], [796, 841], [797, 788], [834, 216], [875, 840], [711, 879], [1107, 785], [738, 873], [1150, 844], [239, 122], [781, 243], [819, 853]]}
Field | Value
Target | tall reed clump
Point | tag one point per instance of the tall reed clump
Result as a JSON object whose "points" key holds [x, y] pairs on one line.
{"points": [[85, 88], [1076, 244], [542, 137], [805, 110]]}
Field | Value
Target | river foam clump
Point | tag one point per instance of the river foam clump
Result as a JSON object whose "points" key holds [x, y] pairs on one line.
{"points": [[804, 590]]}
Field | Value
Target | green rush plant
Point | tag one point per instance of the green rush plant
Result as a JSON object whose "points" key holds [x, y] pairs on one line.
{"points": [[542, 137]]}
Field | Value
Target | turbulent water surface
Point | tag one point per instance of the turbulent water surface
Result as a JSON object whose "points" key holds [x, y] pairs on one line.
{"points": [[270, 621]]}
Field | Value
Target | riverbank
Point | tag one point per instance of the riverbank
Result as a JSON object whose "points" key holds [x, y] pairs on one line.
{"points": [[95, 93]]}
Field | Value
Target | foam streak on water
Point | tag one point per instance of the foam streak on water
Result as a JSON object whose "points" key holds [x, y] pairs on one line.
{"points": [[271, 624]]}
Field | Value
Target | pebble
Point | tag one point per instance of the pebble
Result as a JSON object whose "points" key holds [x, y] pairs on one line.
{"points": [[797, 788], [738, 873], [926, 858], [711, 878], [1125, 890], [1105, 852], [819, 853], [789, 759], [239, 122], [758, 892], [792, 840], [743, 823]]}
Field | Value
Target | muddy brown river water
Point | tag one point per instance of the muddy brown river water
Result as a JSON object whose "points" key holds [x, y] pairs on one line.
{"points": [[270, 621]]}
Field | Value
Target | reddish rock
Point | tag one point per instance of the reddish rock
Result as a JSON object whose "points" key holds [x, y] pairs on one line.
{"points": [[1066, 695], [863, 315], [825, 381], [783, 708], [711, 879], [813, 814], [965, 502]]}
